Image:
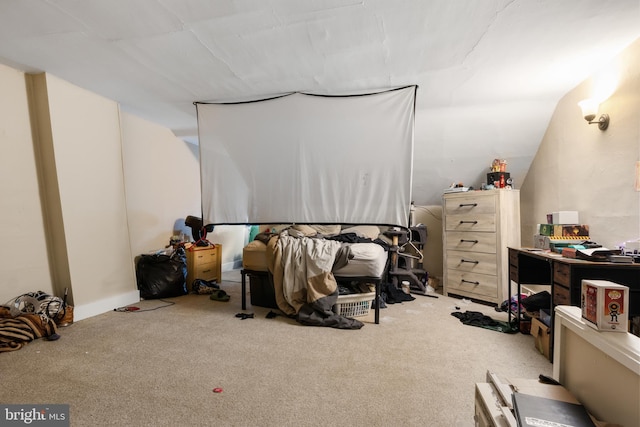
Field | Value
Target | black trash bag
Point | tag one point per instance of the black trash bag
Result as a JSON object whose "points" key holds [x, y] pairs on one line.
{"points": [[162, 276]]}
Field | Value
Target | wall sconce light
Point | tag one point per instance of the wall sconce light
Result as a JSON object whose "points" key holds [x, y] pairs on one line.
{"points": [[589, 110]]}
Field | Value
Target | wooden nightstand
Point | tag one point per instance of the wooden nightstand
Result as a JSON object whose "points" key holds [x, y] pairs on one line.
{"points": [[204, 262]]}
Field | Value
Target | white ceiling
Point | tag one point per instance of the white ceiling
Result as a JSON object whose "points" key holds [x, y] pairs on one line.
{"points": [[489, 71]]}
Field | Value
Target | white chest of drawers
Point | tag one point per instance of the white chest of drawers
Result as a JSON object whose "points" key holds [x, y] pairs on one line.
{"points": [[478, 227]]}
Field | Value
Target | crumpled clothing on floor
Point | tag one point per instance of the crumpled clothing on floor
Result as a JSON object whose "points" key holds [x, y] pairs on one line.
{"points": [[393, 295], [475, 318]]}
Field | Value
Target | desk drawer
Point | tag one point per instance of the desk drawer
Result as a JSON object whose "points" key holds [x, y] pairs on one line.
{"points": [[514, 275], [476, 262], [562, 274], [561, 295], [513, 257]]}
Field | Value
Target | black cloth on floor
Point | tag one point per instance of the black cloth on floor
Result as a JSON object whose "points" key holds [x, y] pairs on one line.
{"points": [[394, 295], [311, 316], [475, 318]]}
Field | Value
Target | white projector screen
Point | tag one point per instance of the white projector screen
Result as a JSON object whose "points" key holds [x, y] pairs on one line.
{"points": [[308, 159]]}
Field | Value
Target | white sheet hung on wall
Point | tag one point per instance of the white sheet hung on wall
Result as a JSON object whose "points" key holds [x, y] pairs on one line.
{"points": [[304, 158]]}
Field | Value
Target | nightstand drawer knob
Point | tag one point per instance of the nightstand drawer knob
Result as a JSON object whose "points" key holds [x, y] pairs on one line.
{"points": [[468, 222], [470, 262], [469, 241], [469, 281], [473, 205]]}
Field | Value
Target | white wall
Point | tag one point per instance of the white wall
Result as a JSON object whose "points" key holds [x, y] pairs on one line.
{"points": [[24, 265], [578, 167]]}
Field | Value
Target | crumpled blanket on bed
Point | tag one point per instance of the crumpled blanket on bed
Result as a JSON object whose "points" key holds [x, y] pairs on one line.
{"points": [[304, 285], [16, 332]]}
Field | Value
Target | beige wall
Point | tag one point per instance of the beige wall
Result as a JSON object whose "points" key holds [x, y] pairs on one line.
{"points": [[78, 136], [578, 167], [24, 265], [162, 181], [85, 189]]}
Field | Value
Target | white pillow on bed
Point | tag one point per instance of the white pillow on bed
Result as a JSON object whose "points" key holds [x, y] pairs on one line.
{"points": [[366, 231], [365, 251]]}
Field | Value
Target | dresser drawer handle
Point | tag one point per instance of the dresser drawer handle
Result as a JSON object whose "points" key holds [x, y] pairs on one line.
{"points": [[469, 241], [470, 262], [468, 222], [469, 281], [473, 205]]}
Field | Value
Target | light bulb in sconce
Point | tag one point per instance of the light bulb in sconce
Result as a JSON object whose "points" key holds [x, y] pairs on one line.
{"points": [[589, 110]]}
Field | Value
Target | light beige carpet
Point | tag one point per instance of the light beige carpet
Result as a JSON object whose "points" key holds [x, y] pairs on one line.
{"points": [[418, 367]]}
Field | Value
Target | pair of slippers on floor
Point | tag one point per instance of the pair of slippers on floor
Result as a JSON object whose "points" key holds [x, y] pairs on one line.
{"points": [[219, 295]]}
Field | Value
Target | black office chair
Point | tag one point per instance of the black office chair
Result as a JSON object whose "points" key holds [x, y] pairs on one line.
{"points": [[198, 230]]}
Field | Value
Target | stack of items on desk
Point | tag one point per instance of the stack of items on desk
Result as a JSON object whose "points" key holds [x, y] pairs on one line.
{"points": [[595, 253], [563, 231]]}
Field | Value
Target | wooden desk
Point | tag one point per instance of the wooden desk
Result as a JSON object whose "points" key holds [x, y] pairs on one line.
{"points": [[564, 277]]}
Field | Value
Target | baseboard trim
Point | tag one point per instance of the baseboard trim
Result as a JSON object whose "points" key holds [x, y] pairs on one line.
{"points": [[85, 311]]}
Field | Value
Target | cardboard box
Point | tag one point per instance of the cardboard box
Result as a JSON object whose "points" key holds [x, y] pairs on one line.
{"points": [[565, 230], [540, 241], [573, 230], [565, 217], [605, 305], [541, 336], [545, 229]]}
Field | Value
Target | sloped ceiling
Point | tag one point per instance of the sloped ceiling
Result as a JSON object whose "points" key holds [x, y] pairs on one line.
{"points": [[489, 71]]}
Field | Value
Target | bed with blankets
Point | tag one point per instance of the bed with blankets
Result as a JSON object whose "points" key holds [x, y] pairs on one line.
{"points": [[302, 268]]}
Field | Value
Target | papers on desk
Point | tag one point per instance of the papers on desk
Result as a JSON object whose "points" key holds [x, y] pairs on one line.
{"points": [[594, 253], [590, 254]]}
